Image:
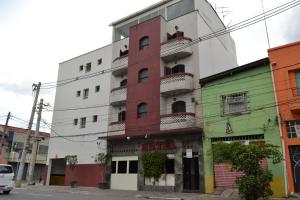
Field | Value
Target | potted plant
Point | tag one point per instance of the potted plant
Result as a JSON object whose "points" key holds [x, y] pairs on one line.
{"points": [[72, 162], [101, 159]]}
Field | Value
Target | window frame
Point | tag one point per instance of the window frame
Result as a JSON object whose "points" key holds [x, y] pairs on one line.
{"points": [[177, 106], [142, 110], [135, 168], [143, 75], [122, 116], [81, 68], [78, 93], [85, 93], [224, 104], [97, 88], [83, 122], [99, 61], [75, 121], [95, 118], [124, 171], [88, 67], [144, 42]]}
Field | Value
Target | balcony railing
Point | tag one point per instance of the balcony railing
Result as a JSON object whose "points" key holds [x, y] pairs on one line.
{"points": [[175, 49], [176, 84], [116, 128], [14, 157], [118, 96], [177, 121], [120, 65]]}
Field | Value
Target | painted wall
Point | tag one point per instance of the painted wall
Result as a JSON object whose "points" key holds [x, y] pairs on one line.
{"points": [[149, 90], [285, 62], [89, 175], [62, 123], [260, 118]]}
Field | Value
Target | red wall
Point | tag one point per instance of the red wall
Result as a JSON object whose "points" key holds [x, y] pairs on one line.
{"points": [[148, 91], [225, 176], [85, 174]]}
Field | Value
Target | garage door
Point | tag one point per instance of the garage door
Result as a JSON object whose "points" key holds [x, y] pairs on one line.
{"points": [[124, 173]]}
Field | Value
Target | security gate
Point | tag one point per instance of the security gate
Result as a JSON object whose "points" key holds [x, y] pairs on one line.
{"points": [[295, 161]]}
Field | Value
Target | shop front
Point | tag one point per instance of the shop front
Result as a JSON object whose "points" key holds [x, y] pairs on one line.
{"points": [[183, 170]]}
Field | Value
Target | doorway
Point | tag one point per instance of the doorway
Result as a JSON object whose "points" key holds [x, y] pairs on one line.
{"points": [[295, 161], [191, 173], [58, 174]]}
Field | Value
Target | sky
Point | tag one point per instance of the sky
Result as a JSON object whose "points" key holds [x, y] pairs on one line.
{"points": [[36, 35]]}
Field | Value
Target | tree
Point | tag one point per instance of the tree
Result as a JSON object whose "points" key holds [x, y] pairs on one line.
{"points": [[255, 183], [153, 163]]}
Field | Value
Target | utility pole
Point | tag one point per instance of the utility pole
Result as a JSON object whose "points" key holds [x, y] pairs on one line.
{"points": [[3, 135], [36, 88], [35, 144]]}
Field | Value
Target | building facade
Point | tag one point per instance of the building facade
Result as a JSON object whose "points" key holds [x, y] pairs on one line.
{"points": [[239, 105], [149, 91], [15, 143], [285, 61], [154, 104]]}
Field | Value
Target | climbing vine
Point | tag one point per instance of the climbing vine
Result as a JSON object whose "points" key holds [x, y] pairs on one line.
{"points": [[153, 164]]}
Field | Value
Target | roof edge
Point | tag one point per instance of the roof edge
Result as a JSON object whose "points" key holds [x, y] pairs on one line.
{"points": [[284, 46], [236, 70]]}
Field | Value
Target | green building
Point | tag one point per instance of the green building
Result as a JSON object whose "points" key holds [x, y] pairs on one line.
{"points": [[239, 105]]}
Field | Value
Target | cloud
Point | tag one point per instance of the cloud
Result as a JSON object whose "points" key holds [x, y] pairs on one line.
{"points": [[291, 30]]}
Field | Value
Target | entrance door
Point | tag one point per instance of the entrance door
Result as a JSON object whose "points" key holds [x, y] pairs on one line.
{"points": [[58, 167], [190, 173], [295, 161]]}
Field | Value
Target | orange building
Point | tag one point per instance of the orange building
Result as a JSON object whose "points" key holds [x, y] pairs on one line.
{"points": [[285, 62]]}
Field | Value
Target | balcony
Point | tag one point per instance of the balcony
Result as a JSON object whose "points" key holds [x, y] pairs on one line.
{"points": [[175, 84], [118, 96], [120, 65], [175, 49], [14, 157], [177, 121], [116, 128]]}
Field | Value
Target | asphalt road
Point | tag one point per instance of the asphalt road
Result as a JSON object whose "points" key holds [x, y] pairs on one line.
{"points": [[23, 194]]}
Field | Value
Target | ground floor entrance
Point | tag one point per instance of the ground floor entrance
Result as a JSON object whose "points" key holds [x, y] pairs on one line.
{"points": [[57, 173], [190, 172], [295, 164], [182, 171]]}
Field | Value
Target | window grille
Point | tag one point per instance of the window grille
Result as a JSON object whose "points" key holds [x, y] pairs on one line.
{"points": [[235, 103]]}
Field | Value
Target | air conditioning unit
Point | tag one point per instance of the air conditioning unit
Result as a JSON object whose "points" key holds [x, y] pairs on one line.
{"points": [[235, 99]]}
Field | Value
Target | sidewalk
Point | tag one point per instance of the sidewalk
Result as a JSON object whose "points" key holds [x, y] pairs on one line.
{"points": [[137, 194]]}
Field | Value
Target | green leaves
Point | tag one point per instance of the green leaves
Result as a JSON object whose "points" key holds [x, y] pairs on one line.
{"points": [[71, 160], [246, 158], [153, 164]]}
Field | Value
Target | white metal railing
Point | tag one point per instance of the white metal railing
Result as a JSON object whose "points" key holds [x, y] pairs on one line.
{"points": [[14, 157], [118, 95], [116, 128], [175, 46], [120, 64], [177, 121], [180, 81]]}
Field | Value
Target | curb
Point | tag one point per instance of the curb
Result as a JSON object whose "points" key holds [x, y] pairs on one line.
{"points": [[162, 198]]}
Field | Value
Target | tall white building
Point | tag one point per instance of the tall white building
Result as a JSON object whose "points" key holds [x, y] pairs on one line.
{"points": [[152, 93]]}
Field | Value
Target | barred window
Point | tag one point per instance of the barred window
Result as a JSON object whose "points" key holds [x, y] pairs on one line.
{"points": [[293, 129], [234, 103], [43, 150]]}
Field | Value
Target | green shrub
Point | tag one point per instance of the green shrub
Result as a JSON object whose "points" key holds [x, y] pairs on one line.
{"points": [[153, 164]]}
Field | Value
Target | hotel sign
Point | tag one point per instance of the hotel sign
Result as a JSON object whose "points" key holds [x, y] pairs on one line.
{"points": [[158, 146]]}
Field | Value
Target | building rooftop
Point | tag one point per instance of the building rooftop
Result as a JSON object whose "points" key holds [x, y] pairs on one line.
{"points": [[22, 130]]}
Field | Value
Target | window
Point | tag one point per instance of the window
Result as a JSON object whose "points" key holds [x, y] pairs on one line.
{"points": [[170, 166], [122, 167], [143, 75], [168, 71], [179, 9], [95, 118], [178, 69], [293, 129], [235, 103], [82, 122], [78, 93], [4, 169], [80, 67], [75, 122], [97, 88], [100, 61], [133, 167], [144, 42], [123, 83], [122, 116], [86, 93], [178, 106], [142, 110], [298, 82], [88, 67], [113, 167], [43, 150]]}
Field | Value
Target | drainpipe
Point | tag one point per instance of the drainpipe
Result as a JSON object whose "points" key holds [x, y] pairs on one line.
{"points": [[280, 130]]}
